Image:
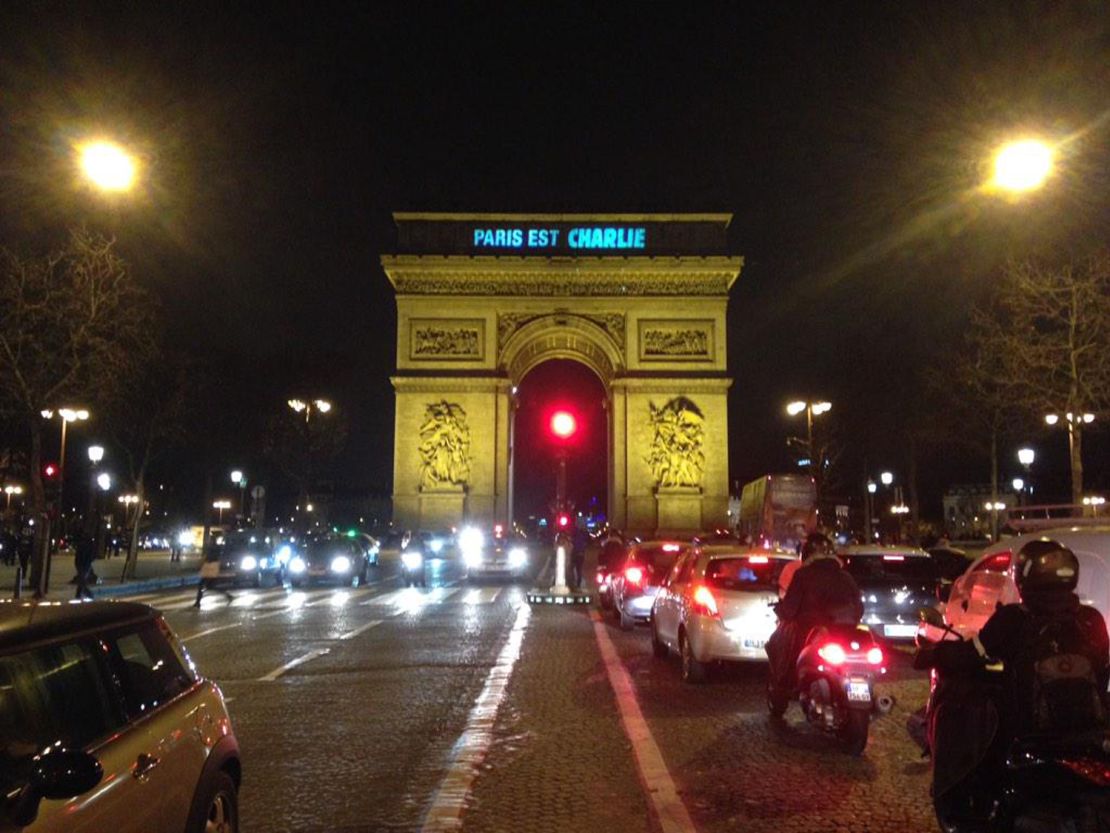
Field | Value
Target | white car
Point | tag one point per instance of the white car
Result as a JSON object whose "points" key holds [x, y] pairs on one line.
{"points": [[715, 605], [989, 581]]}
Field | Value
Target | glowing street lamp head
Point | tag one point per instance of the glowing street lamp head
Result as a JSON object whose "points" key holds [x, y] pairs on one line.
{"points": [[887, 478], [1018, 484], [1051, 419], [297, 405], [1026, 456], [104, 481], [96, 453], [322, 405], [1022, 166], [795, 408], [821, 408], [108, 166], [236, 477], [563, 425]]}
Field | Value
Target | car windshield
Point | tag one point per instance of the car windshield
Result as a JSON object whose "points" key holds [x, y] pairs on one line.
{"points": [[327, 546], [751, 573], [242, 540], [891, 567], [658, 558]]}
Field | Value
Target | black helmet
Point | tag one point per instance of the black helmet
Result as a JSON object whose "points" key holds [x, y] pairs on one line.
{"points": [[816, 543], [1045, 565]]}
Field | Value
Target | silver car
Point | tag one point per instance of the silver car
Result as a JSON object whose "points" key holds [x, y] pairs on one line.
{"points": [[105, 725], [716, 605]]}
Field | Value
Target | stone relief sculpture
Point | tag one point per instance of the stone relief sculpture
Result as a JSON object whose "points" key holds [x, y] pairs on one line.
{"points": [[679, 342], [448, 342], [677, 456], [444, 446]]}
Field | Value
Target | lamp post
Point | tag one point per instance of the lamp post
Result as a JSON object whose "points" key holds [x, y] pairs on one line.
{"points": [[9, 490], [811, 410], [221, 505], [301, 406], [107, 165], [96, 454], [66, 415], [1074, 423], [240, 480]]}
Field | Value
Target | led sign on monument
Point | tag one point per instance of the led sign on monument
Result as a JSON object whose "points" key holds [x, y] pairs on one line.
{"points": [[584, 237]]}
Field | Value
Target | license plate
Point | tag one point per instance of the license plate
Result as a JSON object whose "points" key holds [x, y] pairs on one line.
{"points": [[859, 691], [754, 643], [900, 631]]}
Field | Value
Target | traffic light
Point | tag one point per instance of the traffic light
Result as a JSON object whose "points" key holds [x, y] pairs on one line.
{"points": [[562, 521], [50, 471], [563, 425]]}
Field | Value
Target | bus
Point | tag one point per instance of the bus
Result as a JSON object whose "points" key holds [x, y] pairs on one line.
{"points": [[779, 510]]}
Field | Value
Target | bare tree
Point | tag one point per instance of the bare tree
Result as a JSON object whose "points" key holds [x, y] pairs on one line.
{"points": [[1047, 334], [301, 448], [72, 323]]}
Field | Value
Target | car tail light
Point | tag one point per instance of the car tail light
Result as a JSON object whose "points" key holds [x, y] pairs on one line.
{"points": [[602, 579], [671, 548], [704, 602], [832, 653], [1097, 772], [875, 656], [758, 559], [634, 575], [894, 558]]}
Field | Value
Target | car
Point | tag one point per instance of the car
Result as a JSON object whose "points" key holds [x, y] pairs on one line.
{"points": [[636, 582], [950, 562], [105, 724], [252, 556], [715, 605], [498, 554], [989, 581], [329, 558], [895, 583]]}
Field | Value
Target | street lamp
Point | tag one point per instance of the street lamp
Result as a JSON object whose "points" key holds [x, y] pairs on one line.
{"points": [[66, 415], [107, 165], [104, 481], [811, 409], [1018, 484], [1074, 422], [1026, 456], [300, 406], [10, 490], [1022, 166], [240, 480], [887, 478], [221, 505]]}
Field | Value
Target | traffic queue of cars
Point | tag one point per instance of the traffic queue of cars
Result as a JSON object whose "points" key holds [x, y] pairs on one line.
{"points": [[259, 557]]}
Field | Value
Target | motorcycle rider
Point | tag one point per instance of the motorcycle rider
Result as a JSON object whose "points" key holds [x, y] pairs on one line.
{"points": [[820, 593], [973, 722]]}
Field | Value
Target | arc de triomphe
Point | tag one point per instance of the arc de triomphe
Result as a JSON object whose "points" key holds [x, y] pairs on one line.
{"points": [[639, 299]]}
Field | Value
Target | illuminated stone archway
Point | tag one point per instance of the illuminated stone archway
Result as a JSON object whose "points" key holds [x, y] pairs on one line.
{"points": [[639, 299]]}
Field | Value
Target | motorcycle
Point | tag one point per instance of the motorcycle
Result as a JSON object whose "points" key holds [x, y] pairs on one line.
{"points": [[836, 673], [984, 780], [412, 567]]}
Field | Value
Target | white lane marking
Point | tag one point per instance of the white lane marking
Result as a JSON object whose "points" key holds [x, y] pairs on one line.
{"points": [[672, 813], [293, 663], [473, 744], [373, 623], [482, 595], [211, 630], [338, 598]]}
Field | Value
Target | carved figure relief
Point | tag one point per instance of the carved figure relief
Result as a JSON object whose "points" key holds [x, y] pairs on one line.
{"points": [[444, 446], [676, 340], [446, 339], [677, 456], [612, 322]]}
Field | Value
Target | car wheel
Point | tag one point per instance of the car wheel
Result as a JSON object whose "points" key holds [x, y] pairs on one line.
{"points": [[658, 646], [692, 670], [215, 807]]}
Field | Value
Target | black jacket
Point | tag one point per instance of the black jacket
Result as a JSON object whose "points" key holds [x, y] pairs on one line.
{"points": [[822, 591]]}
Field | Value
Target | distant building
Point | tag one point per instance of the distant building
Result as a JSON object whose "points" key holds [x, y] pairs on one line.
{"points": [[965, 510]]}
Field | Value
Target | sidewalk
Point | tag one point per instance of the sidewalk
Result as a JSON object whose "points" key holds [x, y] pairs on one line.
{"points": [[154, 571]]}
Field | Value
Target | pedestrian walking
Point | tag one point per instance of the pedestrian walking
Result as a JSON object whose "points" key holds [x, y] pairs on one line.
{"points": [[579, 543], [209, 576], [83, 556]]}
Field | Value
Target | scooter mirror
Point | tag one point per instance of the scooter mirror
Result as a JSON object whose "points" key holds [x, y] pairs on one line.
{"points": [[931, 616]]}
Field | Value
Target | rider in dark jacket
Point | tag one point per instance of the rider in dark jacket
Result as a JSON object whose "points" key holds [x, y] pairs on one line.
{"points": [[820, 593]]}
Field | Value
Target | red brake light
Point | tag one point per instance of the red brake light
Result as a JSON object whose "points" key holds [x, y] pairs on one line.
{"points": [[832, 653], [704, 602], [758, 559], [633, 575], [875, 656]]}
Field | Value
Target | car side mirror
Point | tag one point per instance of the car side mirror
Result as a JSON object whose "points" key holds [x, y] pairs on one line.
{"points": [[931, 616], [56, 774]]}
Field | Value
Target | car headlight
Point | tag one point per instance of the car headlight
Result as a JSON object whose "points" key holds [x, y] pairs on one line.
{"points": [[517, 557], [473, 558], [297, 565], [435, 545], [470, 540], [284, 553], [412, 559], [340, 564], [249, 562]]}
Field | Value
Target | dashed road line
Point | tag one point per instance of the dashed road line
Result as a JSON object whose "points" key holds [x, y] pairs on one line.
{"points": [[199, 634], [293, 663], [473, 745], [660, 787], [373, 623]]}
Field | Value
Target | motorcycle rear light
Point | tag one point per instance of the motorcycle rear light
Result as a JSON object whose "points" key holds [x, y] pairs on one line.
{"points": [[704, 601], [875, 656], [832, 653], [633, 575], [1097, 772]]}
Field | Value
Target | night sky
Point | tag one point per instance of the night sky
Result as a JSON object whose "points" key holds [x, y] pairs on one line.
{"points": [[847, 138]]}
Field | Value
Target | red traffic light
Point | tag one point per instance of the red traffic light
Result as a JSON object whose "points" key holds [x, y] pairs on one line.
{"points": [[50, 471], [563, 425], [562, 520]]}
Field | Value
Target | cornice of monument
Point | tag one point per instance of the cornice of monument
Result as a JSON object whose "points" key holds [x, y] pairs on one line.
{"points": [[561, 276]]}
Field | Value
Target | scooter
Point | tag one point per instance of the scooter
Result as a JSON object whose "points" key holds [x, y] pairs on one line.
{"points": [[985, 781], [836, 673], [412, 567]]}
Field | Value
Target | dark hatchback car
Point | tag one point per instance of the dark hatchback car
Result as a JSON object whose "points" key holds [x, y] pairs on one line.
{"points": [[894, 582], [336, 559], [105, 725]]}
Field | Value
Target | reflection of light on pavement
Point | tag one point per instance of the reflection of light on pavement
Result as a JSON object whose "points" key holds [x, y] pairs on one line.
{"points": [[296, 600], [339, 598], [410, 599], [473, 597], [245, 600]]}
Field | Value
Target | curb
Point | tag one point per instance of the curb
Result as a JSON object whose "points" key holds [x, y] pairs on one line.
{"points": [[133, 587]]}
